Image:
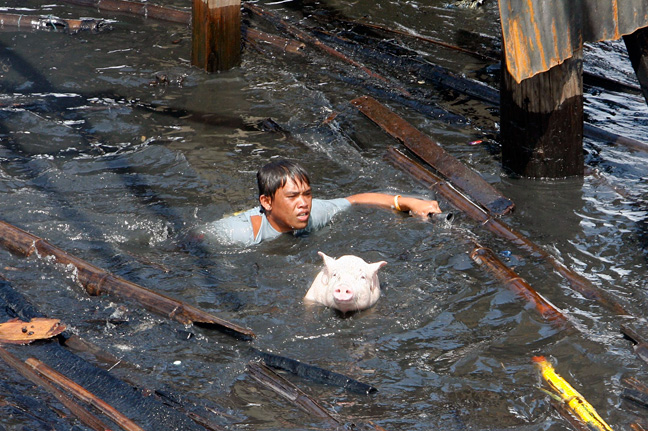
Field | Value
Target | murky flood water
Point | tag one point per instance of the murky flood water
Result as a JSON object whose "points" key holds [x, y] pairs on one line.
{"points": [[102, 159]]}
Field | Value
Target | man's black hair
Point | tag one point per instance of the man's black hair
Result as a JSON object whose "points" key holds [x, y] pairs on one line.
{"points": [[275, 175]]}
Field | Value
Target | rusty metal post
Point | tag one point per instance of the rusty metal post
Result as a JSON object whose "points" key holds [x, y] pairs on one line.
{"points": [[541, 121], [637, 45], [216, 38]]}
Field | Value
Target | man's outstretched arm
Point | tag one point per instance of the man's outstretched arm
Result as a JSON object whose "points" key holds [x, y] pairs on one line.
{"points": [[416, 206]]}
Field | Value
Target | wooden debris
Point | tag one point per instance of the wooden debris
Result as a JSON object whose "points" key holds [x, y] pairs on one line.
{"points": [[637, 45], [501, 229], [316, 374], [485, 256], [33, 22], [97, 281], [307, 38], [16, 331], [433, 154], [143, 9], [369, 25], [259, 37], [82, 394], [637, 332], [108, 362], [76, 409], [268, 378], [568, 415]]}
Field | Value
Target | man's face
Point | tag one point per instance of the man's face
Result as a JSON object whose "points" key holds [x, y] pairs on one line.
{"points": [[290, 207]]}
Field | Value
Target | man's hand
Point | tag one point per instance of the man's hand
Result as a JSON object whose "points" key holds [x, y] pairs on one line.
{"points": [[419, 207]]}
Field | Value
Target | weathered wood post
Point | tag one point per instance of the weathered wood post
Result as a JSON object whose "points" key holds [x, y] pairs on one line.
{"points": [[541, 121], [542, 87], [637, 44], [216, 38]]}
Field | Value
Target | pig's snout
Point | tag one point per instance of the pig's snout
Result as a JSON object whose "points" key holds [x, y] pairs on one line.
{"points": [[343, 294]]}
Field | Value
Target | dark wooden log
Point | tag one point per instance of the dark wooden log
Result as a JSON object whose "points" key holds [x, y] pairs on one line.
{"points": [[316, 374], [433, 154], [541, 122], [485, 256], [637, 45], [501, 229], [33, 22], [143, 9], [83, 394], [258, 37], [216, 34], [290, 392], [637, 332], [563, 411], [97, 281], [77, 410], [80, 345]]}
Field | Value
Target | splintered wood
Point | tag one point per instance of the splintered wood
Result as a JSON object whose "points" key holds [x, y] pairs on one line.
{"points": [[16, 331]]}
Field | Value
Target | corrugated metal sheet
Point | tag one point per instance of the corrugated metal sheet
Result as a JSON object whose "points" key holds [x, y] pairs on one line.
{"points": [[539, 34]]}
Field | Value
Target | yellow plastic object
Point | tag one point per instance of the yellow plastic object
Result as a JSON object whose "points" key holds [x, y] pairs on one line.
{"points": [[574, 400]]}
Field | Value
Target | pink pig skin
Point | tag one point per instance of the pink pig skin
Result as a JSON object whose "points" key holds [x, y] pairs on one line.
{"points": [[346, 284]]}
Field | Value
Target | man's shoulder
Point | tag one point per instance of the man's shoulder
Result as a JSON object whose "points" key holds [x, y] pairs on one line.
{"points": [[341, 203], [233, 229]]}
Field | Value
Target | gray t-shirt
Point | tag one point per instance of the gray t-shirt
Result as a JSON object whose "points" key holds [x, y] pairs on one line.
{"points": [[237, 229]]}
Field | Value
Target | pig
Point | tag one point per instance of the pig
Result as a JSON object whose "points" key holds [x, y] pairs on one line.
{"points": [[346, 284]]}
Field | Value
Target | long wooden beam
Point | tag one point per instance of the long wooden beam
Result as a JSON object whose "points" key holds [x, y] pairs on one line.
{"points": [[501, 229], [97, 281], [485, 256], [76, 409], [83, 394], [143, 9], [268, 378], [433, 154]]}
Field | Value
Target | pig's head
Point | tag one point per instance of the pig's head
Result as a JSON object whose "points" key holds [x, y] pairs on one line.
{"points": [[350, 283]]}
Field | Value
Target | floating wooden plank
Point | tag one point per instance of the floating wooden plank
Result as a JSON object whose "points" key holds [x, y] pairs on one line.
{"points": [[33, 22], [432, 153], [637, 391], [143, 9], [17, 331], [290, 392], [637, 332], [259, 37], [501, 229], [485, 256], [83, 394], [76, 409], [316, 374], [97, 281]]}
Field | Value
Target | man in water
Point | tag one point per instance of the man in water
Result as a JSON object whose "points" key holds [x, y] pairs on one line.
{"points": [[287, 206]]}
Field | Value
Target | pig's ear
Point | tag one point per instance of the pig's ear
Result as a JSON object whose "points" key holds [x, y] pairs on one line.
{"points": [[328, 260], [374, 267]]}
